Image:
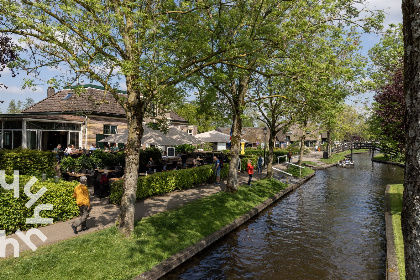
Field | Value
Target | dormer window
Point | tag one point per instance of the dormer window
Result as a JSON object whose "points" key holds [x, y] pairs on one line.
{"points": [[68, 96], [110, 129]]}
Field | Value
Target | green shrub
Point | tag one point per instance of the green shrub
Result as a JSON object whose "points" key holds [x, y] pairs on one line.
{"points": [[84, 162], [102, 159], [184, 148], [13, 212], [165, 182], [28, 162], [68, 164]]}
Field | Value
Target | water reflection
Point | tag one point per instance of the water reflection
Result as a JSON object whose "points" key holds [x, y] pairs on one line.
{"points": [[330, 228]]}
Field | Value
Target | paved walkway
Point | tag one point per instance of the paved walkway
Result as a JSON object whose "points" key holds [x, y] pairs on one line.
{"points": [[104, 215]]}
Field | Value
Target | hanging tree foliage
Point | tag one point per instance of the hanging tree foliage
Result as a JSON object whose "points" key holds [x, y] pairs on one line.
{"points": [[8, 54], [388, 114]]}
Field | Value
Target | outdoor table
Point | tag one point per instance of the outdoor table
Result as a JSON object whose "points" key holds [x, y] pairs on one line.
{"points": [[114, 179], [77, 175], [145, 174], [103, 170]]}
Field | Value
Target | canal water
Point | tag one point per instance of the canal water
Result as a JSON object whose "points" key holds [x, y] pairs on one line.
{"points": [[332, 227]]}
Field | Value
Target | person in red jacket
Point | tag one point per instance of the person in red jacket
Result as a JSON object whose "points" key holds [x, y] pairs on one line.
{"points": [[250, 169]]}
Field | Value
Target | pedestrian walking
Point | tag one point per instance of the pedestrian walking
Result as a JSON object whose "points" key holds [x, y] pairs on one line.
{"points": [[289, 156], [250, 169], [217, 168], [260, 164], [81, 194]]}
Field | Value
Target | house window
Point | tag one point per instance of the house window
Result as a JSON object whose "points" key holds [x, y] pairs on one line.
{"points": [[190, 131], [74, 139], [171, 151], [68, 96], [110, 129]]}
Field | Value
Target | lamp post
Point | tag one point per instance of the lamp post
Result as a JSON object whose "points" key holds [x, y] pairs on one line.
{"points": [[265, 143]]}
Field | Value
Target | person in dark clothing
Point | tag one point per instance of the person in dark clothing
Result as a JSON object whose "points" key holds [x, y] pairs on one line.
{"points": [[289, 156]]}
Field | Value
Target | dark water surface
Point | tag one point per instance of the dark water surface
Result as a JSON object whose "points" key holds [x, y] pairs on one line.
{"points": [[332, 227]]}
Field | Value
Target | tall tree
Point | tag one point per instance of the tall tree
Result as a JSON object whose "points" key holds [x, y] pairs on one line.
{"points": [[385, 57], [388, 113], [410, 216], [264, 33], [141, 42], [13, 107], [207, 115], [274, 111]]}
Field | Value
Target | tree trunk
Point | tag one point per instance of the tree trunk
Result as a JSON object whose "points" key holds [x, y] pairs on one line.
{"points": [[302, 148], [270, 154], [329, 142], [232, 180], [238, 100], [410, 217], [135, 115]]}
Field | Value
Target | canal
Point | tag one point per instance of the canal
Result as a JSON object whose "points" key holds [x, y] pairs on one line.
{"points": [[332, 227]]}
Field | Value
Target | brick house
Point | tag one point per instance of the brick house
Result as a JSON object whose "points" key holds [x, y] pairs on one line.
{"points": [[66, 117]]}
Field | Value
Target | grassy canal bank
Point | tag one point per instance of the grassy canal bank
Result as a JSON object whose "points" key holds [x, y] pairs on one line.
{"points": [[396, 196], [105, 254], [334, 158]]}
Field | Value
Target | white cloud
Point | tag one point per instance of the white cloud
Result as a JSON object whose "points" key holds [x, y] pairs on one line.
{"points": [[392, 9], [123, 86], [19, 90]]}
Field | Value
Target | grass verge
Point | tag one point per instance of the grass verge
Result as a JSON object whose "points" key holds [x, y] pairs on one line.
{"points": [[396, 196], [310, 163], [334, 158], [382, 157], [105, 254], [294, 170]]}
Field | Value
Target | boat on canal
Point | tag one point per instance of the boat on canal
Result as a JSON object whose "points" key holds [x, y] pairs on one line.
{"points": [[345, 163]]}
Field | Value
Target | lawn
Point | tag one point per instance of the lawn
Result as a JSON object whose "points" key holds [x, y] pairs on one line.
{"points": [[294, 170], [105, 254], [334, 158], [396, 196]]}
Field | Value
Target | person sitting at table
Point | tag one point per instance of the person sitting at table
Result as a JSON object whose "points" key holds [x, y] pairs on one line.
{"points": [[68, 150], [93, 147], [150, 164], [58, 150], [114, 148]]}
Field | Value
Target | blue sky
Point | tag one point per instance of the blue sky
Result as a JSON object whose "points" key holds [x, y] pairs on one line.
{"points": [[14, 91]]}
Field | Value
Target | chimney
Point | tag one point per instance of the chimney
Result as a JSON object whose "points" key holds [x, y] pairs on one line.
{"points": [[50, 91]]}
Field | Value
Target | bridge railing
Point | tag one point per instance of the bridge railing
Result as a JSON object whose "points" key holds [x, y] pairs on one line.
{"points": [[284, 172]]}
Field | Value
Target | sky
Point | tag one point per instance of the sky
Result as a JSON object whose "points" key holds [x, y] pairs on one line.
{"points": [[14, 91]]}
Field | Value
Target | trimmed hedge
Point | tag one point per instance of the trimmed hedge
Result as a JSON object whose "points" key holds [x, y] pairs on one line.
{"points": [[165, 182], [13, 212], [28, 162]]}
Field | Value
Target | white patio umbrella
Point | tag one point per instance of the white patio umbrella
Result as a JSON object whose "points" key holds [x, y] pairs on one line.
{"points": [[182, 137]]}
